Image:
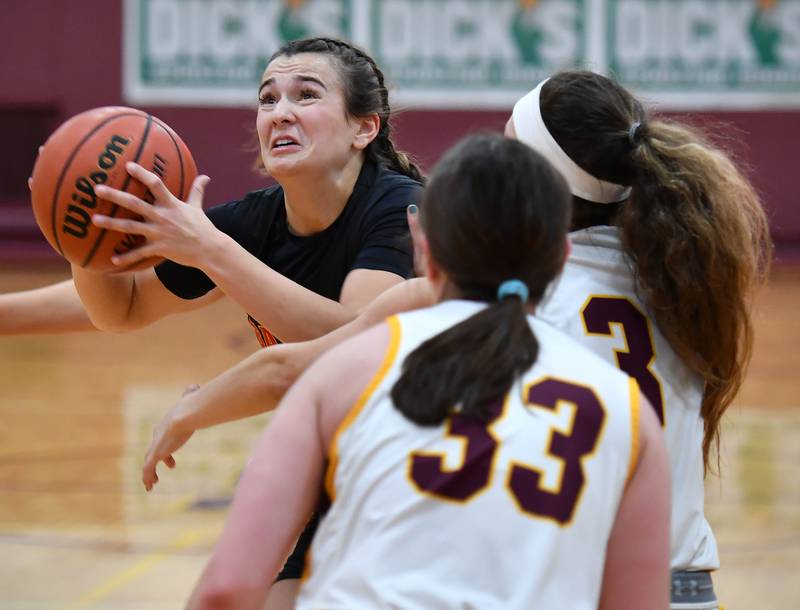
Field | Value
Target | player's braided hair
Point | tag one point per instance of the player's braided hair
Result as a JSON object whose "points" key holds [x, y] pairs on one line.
{"points": [[365, 93], [493, 210], [694, 228]]}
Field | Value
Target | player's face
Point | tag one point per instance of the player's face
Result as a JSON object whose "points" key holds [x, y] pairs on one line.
{"points": [[302, 123]]}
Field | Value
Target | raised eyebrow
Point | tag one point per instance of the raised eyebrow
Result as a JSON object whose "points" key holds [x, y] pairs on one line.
{"points": [[299, 78]]}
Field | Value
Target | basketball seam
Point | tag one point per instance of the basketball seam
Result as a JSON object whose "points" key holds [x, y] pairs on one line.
{"points": [[125, 184], [53, 205], [177, 150], [180, 163]]}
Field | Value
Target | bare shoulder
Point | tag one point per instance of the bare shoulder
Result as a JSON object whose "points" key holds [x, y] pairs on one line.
{"points": [[339, 377]]}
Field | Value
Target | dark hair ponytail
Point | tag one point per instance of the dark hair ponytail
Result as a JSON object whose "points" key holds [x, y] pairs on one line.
{"points": [[494, 210], [365, 93], [694, 228], [467, 367]]}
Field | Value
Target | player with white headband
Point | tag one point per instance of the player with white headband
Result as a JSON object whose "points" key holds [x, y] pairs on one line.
{"points": [[668, 241], [529, 128]]}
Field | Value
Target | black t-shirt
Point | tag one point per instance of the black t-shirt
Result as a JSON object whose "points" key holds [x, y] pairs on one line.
{"points": [[370, 233]]}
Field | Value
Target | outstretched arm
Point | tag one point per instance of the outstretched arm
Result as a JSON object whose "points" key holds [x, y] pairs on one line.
{"points": [[127, 301], [59, 308], [272, 502], [256, 384], [253, 386], [184, 234], [53, 309]]}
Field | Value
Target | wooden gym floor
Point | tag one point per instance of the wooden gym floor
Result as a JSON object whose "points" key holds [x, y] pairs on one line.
{"points": [[78, 531]]}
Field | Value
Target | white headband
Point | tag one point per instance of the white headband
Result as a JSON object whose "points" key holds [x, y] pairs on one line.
{"points": [[531, 130]]}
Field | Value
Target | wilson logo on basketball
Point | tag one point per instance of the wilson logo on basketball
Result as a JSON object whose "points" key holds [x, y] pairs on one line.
{"points": [[77, 219], [92, 148]]}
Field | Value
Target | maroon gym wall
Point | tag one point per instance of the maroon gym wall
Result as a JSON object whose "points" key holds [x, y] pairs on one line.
{"points": [[60, 58]]}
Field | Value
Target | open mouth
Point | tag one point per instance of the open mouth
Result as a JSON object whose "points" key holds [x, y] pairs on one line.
{"points": [[283, 142]]}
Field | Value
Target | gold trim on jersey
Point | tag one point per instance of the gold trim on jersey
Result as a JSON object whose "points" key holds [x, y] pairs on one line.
{"points": [[388, 361], [635, 393]]}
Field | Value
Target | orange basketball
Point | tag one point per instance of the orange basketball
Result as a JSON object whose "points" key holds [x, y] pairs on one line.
{"points": [[92, 148]]}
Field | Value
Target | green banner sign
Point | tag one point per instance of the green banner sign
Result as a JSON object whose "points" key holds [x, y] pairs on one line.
{"points": [[707, 52], [473, 52], [214, 51]]}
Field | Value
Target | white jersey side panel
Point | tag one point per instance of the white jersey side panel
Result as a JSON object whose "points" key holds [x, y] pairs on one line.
{"points": [[513, 515], [594, 301]]}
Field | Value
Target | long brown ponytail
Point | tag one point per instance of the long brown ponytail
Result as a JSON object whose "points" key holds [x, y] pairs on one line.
{"points": [[694, 228], [699, 241]]}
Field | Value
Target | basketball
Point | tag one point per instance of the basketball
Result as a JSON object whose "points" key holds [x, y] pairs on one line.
{"points": [[92, 148]]}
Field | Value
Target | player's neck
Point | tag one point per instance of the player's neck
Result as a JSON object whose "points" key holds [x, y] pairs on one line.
{"points": [[313, 203]]}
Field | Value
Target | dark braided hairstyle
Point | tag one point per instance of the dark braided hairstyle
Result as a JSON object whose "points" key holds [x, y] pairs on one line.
{"points": [[365, 93]]}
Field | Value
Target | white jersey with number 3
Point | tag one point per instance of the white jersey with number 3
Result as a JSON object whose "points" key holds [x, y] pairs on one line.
{"points": [[512, 514], [595, 302]]}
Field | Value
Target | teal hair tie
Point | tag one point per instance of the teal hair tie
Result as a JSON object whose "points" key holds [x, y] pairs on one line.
{"points": [[513, 287]]}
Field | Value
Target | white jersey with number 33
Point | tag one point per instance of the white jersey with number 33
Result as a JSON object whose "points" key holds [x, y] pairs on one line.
{"points": [[595, 302], [515, 513]]}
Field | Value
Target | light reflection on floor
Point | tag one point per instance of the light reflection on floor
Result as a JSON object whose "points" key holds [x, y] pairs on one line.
{"points": [[755, 510]]}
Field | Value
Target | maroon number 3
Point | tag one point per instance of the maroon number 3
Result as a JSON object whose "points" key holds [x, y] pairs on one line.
{"points": [[571, 448], [429, 474], [599, 314]]}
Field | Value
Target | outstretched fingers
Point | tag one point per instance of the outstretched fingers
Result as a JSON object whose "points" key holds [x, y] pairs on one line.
{"points": [[150, 467], [153, 183], [126, 200], [123, 225], [149, 475], [198, 191], [164, 443]]}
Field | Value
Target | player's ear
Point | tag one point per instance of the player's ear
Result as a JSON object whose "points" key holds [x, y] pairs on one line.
{"points": [[367, 129]]}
